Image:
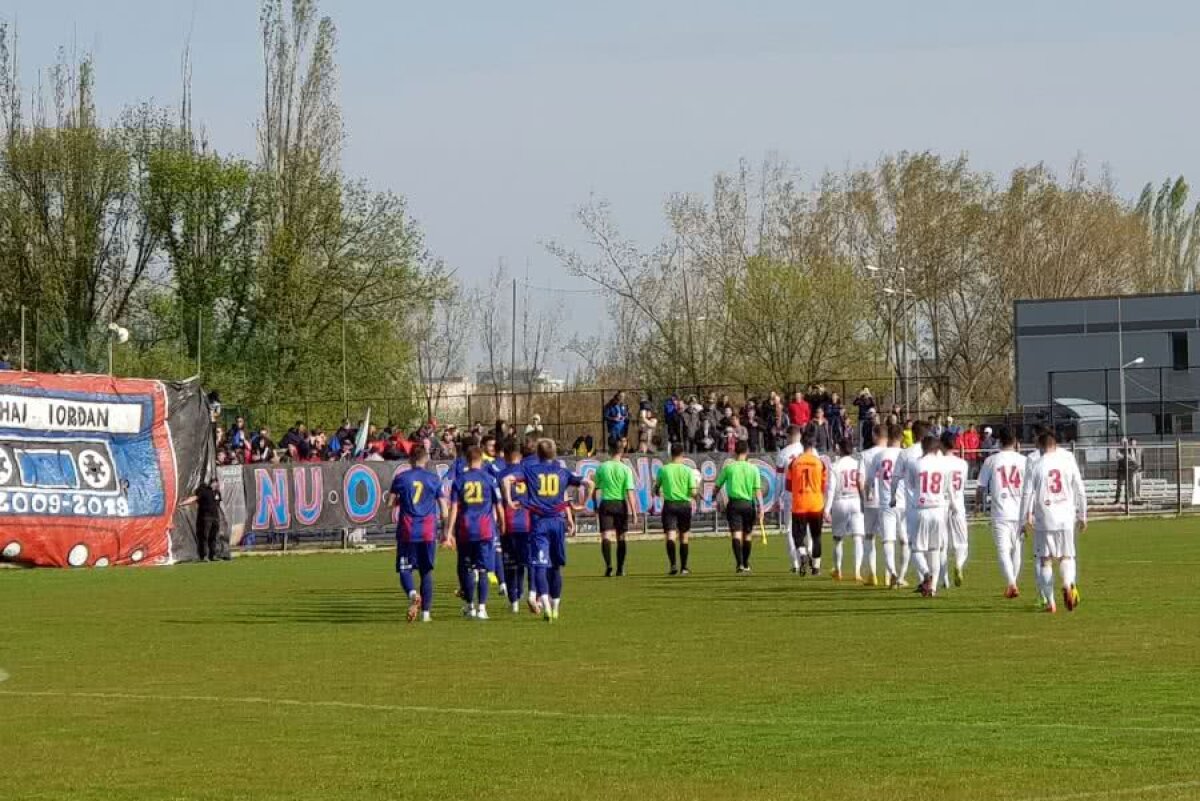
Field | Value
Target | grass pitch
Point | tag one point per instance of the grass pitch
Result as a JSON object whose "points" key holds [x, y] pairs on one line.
{"points": [[296, 678]]}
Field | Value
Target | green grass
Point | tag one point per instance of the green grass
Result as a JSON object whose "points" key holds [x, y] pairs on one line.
{"points": [[296, 678]]}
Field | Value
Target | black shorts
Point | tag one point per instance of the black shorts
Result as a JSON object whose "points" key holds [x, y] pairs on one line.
{"points": [[809, 522], [677, 516], [741, 516], [613, 516]]}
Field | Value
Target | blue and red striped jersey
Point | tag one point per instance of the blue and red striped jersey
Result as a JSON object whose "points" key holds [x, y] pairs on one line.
{"points": [[417, 491], [516, 521], [546, 487], [477, 495]]}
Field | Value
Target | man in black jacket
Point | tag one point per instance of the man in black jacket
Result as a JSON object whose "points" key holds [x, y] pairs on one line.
{"points": [[208, 520]]}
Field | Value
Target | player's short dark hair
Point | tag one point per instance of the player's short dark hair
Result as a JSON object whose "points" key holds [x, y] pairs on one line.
{"points": [[919, 428], [486, 439], [1007, 437], [528, 448], [877, 431], [546, 449], [807, 440], [417, 454], [948, 440], [895, 433], [793, 430], [846, 447], [929, 444], [677, 450], [742, 447], [1047, 437], [511, 448], [474, 454], [617, 447]]}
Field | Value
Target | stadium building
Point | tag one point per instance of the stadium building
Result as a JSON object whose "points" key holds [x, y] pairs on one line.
{"points": [[1069, 354]]}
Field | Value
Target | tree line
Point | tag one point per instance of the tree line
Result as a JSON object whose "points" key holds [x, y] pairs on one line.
{"points": [[915, 260], [258, 273]]}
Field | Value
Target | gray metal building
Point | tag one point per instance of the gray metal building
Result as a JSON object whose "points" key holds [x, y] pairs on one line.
{"points": [[1068, 355]]}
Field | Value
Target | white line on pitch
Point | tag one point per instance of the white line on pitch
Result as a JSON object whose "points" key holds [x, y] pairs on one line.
{"points": [[1119, 791], [572, 715]]}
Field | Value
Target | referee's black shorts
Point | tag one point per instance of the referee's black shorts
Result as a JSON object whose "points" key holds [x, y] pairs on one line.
{"points": [[677, 516], [741, 515], [614, 516]]}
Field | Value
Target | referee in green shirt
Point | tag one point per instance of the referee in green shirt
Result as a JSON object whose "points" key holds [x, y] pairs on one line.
{"points": [[677, 484], [616, 505], [743, 490]]}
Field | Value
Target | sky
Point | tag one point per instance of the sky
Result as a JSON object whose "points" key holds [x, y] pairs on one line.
{"points": [[497, 120]]}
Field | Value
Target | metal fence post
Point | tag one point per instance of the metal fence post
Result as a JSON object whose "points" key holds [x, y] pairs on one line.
{"points": [[1178, 476]]}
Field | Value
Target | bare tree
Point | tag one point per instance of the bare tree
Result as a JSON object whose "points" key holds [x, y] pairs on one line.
{"points": [[495, 332], [441, 334]]}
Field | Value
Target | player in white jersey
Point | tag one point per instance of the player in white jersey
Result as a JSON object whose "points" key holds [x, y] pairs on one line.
{"points": [[1053, 501], [843, 507], [928, 484], [1000, 481], [900, 498], [879, 487], [957, 517], [784, 458], [872, 516]]}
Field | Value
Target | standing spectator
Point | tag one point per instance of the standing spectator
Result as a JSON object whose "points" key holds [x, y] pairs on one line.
{"points": [[1129, 471], [864, 401], [616, 419], [673, 418], [691, 422], [818, 429], [835, 414], [777, 422], [970, 447], [799, 412], [740, 432], [953, 427], [4, 363], [583, 446], [502, 431], [754, 426], [534, 427], [446, 449], [866, 428], [295, 441], [647, 426], [935, 428], [261, 447], [988, 444], [238, 437], [710, 427], [208, 520]]}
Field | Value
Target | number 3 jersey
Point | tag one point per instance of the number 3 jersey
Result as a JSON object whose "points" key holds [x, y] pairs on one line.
{"points": [[1053, 492], [1001, 478]]}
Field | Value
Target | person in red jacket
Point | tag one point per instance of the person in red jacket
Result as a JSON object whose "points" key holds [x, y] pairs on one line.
{"points": [[798, 410], [969, 442]]}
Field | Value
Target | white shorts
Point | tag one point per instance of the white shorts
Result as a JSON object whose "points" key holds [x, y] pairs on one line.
{"points": [[847, 519], [1008, 534], [1058, 543], [890, 521], [958, 530], [929, 526], [872, 521]]}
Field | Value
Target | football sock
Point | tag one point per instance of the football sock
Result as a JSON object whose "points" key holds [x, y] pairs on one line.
{"points": [[838, 548], [606, 551], [746, 543], [469, 586], [859, 559], [960, 556], [537, 577], [554, 604], [554, 582], [793, 553], [815, 549], [1067, 568], [889, 557], [427, 591], [683, 555], [1045, 576], [943, 573], [918, 560], [905, 557], [1014, 557], [406, 582], [1007, 569], [935, 566], [622, 549], [671, 553], [737, 551], [483, 587]]}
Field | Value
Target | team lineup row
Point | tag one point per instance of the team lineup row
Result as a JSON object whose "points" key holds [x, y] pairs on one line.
{"points": [[508, 519]]}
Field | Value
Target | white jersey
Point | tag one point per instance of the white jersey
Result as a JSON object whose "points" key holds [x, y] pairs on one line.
{"points": [[927, 482], [958, 479], [1001, 479], [786, 455], [879, 476], [845, 483], [1053, 492], [868, 457], [899, 490]]}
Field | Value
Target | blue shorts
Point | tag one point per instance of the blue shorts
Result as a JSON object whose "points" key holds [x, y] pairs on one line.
{"points": [[478, 555], [548, 543], [515, 547], [417, 555]]}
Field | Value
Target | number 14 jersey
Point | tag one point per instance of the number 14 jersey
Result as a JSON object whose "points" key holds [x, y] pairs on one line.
{"points": [[1001, 479]]}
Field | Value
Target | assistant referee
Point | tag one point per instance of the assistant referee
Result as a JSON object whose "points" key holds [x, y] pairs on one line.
{"points": [[677, 484], [743, 488]]}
